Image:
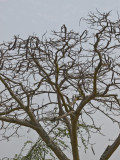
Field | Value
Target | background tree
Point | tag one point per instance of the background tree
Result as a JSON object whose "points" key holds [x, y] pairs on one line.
{"points": [[56, 85]]}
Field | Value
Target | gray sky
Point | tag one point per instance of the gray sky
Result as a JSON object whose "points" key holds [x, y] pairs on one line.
{"points": [[28, 17]]}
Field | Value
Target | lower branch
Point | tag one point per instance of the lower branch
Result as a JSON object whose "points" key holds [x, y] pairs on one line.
{"points": [[50, 143], [42, 133], [110, 149]]}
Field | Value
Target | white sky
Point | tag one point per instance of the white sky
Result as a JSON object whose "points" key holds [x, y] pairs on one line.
{"points": [[26, 17]]}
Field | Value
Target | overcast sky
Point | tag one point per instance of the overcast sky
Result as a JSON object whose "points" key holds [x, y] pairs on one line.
{"points": [[28, 17]]}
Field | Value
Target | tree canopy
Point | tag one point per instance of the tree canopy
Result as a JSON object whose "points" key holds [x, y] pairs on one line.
{"points": [[56, 85]]}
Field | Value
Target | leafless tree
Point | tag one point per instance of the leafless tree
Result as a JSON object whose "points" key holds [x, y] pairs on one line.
{"points": [[51, 84]]}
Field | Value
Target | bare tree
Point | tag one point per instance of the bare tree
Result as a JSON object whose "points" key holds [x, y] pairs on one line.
{"points": [[51, 84]]}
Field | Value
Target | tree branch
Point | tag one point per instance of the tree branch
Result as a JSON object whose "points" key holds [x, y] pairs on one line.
{"points": [[111, 149]]}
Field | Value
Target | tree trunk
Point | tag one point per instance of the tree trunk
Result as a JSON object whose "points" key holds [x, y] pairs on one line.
{"points": [[74, 141]]}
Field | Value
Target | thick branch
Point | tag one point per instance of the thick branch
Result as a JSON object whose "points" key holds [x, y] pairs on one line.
{"points": [[110, 149], [50, 143]]}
